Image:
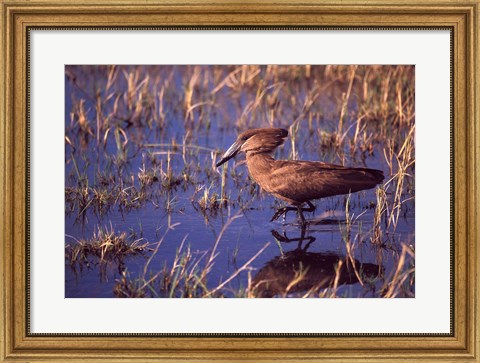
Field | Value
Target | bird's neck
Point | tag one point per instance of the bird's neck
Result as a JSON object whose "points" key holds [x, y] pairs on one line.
{"points": [[259, 165]]}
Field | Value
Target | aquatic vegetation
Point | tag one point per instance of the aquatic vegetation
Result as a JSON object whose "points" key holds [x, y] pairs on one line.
{"points": [[141, 145], [105, 247]]}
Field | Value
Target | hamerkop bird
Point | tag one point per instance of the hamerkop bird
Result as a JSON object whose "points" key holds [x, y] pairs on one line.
{"points": [[296, 182]]}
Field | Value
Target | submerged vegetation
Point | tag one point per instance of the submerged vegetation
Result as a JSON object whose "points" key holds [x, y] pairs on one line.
{"points": [[148, 212]]}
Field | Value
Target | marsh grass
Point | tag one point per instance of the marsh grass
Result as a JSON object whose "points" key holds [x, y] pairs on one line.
{"points": [[402, 283], [157, 133], [186, 277], [105, 248]]}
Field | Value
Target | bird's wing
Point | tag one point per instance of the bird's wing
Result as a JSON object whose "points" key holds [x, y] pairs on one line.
{"points": [[306, 180]]}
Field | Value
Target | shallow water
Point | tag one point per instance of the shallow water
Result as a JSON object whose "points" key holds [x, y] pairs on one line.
{"points": [[174, 215]]}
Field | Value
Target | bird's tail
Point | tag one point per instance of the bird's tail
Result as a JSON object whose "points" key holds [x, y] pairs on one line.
{"points": [[377, 175]]}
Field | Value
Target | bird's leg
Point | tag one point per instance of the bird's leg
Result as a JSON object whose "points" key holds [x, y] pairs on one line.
{"points": [[300, 211], [300, 215], [281, 211]]}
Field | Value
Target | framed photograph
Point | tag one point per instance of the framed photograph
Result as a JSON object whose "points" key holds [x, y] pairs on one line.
{"points": [[262, 181]]}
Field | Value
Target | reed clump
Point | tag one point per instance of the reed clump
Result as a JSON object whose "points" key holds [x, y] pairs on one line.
{"points": [[104, 246]]}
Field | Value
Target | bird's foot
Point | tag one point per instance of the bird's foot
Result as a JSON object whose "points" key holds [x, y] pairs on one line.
{"points": [[311, 207], [278, 213], [282, 211]]}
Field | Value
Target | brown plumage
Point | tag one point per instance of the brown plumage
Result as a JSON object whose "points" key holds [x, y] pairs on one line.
{"points": [[296, 182]]}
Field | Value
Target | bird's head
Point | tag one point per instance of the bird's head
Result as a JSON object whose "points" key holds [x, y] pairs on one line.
{"points": [[263, 140]]}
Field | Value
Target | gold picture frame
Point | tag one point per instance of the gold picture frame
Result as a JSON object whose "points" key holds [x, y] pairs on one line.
{"points": [[18, 344]]}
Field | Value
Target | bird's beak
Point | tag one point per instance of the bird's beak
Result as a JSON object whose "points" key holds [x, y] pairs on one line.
{"points": [[230, 153]]}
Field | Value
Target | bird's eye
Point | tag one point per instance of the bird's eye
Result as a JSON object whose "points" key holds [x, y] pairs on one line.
{"points": [[244, 138]]}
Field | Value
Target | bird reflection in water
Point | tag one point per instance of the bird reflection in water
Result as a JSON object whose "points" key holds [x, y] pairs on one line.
{"points": [[302, 273], [283, 238]]}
